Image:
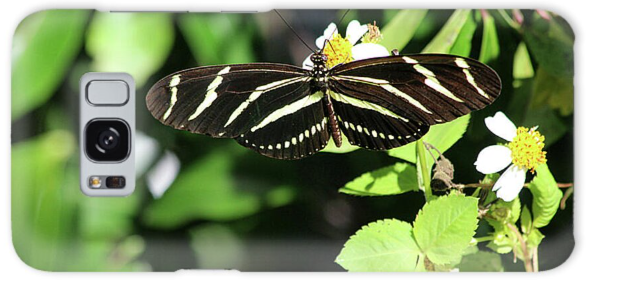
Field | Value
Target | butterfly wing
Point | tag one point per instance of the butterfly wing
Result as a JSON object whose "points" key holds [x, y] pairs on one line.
{"points": [[294, 131], [399, 97], [372, 126], [261, 105]]}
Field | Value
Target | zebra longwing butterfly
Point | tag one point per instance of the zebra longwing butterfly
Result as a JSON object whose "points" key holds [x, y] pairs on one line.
{"points": [[286, 112]]}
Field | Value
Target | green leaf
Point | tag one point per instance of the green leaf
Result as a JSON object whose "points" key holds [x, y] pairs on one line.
{"points": [[549, 123], [551, 43], [515, 210], [526, 220], [506, 212], [390, 180], [490, 196], [385, 245], [41, 198], [546, 196], [534, 238], [462, 45], [522, 68], [553, 91], [490, 48], [504, 239], [445, 39], [531, 106], [400, 30], [442, 136], [44, 46], [504, 242], [344, 148], [481, 261], [136, 43], [471, 249], [407, 152], [445, 226]]}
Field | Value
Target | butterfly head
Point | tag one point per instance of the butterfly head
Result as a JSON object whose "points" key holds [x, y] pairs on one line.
{"points": [[318, 58]]}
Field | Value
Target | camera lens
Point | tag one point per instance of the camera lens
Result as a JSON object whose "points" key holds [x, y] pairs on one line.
{"points": [[107, 140]]}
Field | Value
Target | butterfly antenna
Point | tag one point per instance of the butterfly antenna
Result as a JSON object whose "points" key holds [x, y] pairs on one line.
{"points": [[331, 46], [339, 22], [294, 32], [343, 15]]}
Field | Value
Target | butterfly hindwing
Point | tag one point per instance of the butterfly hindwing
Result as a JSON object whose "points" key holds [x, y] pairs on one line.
{"points": [[374, 130], [293, 135]]}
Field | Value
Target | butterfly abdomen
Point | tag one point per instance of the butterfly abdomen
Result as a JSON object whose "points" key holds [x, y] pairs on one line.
{"points": [[333, 123]]}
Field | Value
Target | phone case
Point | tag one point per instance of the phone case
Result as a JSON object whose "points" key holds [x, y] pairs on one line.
{"points": [[455, 130]]}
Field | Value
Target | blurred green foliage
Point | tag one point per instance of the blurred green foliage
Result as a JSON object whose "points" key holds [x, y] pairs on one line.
{"points": [[402, 27], [218, 38], [38, 216], [44, 46], [214, 196], [225, 196], [136, 43]]}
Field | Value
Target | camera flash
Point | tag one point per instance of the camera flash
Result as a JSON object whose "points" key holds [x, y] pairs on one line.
{"points": [[94, 182]]}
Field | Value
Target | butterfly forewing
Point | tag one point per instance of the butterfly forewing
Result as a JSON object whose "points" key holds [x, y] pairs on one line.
{"points": [[427, 88], [225, 100]]}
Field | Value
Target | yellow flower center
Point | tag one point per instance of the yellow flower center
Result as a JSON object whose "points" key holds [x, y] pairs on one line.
{"points": [[337, 50], [527, 147]]}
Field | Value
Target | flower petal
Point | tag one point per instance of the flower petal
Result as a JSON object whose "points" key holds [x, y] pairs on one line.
{"points": [[327, 35], [368, 50], [308, 64], [355, 31], [510, 183], [501, 126], [320, 41], [493, 158]]}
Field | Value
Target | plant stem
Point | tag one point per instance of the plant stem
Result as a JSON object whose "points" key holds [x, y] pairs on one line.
{"points": [[527, 260], [490, 185], [567, 194], [426, 177], [535, 258]]}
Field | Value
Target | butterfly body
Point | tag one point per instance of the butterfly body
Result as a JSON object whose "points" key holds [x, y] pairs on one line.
{"points": [[320, 77], [287, 112]]}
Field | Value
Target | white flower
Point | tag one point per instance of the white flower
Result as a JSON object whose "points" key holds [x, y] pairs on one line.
{"points": [[522, 153], [341, 50]]}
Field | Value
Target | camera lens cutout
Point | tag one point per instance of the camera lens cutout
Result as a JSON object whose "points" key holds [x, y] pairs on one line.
{"points": [[107, 140]]}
